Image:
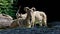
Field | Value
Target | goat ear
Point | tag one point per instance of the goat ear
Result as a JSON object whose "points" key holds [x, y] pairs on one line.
{"points": [[26, 8], [33, 8]]}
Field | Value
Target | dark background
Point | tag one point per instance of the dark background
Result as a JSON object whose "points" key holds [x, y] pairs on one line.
{"points": [[51, 8]]}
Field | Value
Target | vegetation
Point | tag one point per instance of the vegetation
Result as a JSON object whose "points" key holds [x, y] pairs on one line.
{"points": [[8, 7]]}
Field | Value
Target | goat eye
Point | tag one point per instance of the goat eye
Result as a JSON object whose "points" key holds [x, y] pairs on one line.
{"points": [[27, 9]]}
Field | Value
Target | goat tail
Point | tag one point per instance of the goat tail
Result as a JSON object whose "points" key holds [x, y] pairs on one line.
{"points": [[44, 19]]}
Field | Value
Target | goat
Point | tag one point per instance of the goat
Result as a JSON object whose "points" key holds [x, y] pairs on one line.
{"points": [[26, 22], [40, 16], [37, 15]]}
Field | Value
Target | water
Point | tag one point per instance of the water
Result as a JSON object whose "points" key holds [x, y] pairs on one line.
{"points": [[35, 30]]}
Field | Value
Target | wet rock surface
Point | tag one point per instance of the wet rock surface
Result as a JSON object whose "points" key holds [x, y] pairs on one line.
{"points": [[35, 30], [42, 30]]}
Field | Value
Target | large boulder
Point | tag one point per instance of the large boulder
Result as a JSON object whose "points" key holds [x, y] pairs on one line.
{"points": [[5, 20], [5, 16]]}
